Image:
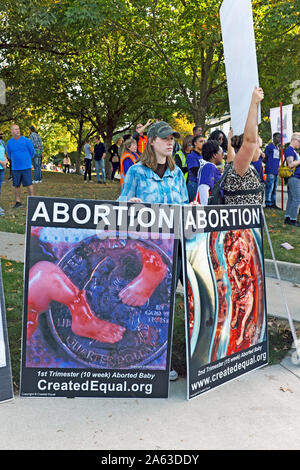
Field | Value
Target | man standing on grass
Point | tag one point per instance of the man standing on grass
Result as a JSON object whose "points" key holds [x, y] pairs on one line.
{"points": [[20, 151]]}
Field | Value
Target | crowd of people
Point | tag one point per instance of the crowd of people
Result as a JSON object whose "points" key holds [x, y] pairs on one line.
{"points": [[153, 167]]}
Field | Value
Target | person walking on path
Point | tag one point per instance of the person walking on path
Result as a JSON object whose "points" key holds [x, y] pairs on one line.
{"points": [[293, 162], [88, 160], [20, 150], [67, 163], [272, 160], [99, 156], [38, 154]]}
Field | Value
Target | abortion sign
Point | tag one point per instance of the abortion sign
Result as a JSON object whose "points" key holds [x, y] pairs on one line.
{"points": [[226, 327], [98, 298]]}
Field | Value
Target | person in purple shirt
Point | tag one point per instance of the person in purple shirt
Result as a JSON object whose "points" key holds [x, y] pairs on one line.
{"points": [[272, 160], [193, 163], [20, 151], [293, 162], [208, 173]]}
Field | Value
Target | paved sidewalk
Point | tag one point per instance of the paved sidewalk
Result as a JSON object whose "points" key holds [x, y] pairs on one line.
{"points": [[260, 410]]}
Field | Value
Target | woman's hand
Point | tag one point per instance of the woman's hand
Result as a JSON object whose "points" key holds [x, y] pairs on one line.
{"points": [[135, 199], [257, 95]]}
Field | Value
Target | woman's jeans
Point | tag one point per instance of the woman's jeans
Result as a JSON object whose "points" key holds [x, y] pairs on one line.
{"points": [[293, 198], [271, 188], [37, 161], [100, 167]]}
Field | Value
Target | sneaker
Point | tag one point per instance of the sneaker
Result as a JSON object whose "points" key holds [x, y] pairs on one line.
{"points": [[34, 182], [173, 375], [286, 220], [85, 181], [17, 205], [90, 181], [1, 211]]}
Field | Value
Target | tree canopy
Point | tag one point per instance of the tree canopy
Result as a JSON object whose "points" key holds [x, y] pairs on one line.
{"points": [[103, 66]]}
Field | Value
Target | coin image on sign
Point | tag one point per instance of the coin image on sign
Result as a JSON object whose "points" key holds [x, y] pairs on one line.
{"points": [[126, 285]]}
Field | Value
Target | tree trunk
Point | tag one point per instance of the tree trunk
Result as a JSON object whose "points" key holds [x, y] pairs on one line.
{"points": [[80, 142]]}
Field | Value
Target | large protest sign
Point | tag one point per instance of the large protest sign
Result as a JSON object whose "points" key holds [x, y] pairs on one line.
{"points": [[240, 59], [287, 122], [98, 298], [6, 387], [226, 328]]}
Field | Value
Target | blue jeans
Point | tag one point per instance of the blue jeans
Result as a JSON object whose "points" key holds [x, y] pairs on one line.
{"points": [[293, 198], [271, 188], [100, 167], [37, 176]]}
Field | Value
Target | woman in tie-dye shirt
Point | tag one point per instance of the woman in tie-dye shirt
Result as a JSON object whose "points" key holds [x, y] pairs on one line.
{"points": [[155, 178]]}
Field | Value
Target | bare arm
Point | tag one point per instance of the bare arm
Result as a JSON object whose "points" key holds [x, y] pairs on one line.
{"points": [[292, 163], [244, 156]]}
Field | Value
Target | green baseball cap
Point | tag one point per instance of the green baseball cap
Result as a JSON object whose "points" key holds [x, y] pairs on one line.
{"points": [[162, 129]]}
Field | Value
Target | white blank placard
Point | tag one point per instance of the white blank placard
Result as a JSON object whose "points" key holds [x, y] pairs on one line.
{"points": [[240, 59]]}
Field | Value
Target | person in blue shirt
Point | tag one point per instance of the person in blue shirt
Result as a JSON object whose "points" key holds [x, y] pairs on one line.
{"points": [[272, 160], [208, 173], [156, 178], [20, 151], [193, 164], [293, 162]]}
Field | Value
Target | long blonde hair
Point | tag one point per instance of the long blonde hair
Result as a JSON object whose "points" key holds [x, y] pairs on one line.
{"points": [[148, 157]]}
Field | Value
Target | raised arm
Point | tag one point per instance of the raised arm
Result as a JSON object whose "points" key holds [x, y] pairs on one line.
{"points": [[244, 156]]}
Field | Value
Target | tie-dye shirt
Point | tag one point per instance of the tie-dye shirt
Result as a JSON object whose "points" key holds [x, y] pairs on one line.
{"points": [[141, 182]]}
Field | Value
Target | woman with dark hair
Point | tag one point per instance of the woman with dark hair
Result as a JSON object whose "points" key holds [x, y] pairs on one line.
{"points": [[208, 173], [220, 137], [242, 184], [156, 178], [193, 163]]}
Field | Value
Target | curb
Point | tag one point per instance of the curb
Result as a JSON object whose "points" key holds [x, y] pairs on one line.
{"points": [[288, 271]]}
